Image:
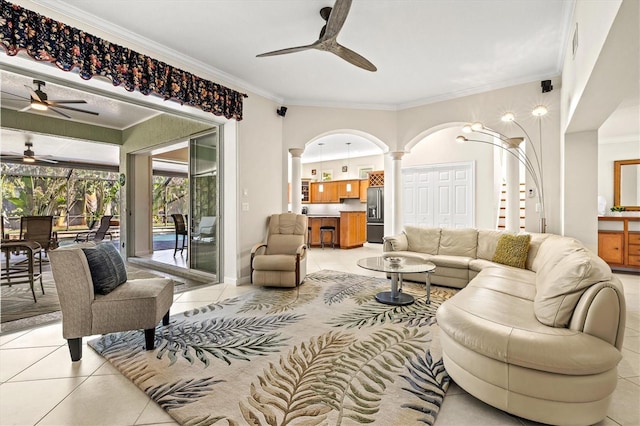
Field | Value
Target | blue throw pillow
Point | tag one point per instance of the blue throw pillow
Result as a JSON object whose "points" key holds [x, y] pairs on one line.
{"points": [[106, 266], [115, 258]]}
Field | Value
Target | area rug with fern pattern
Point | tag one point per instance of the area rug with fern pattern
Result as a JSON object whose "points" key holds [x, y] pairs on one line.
{"points": [[323, 353]]}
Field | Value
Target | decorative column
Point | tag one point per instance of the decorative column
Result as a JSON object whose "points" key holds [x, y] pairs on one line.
{"points": [[296, 182], [512, 204], [396, 210]]}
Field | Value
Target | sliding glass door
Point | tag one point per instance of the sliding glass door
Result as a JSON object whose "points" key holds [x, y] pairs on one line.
{"points": [[204, 165]]}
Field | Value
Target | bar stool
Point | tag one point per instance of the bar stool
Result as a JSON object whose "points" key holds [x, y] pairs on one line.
{"points": [[328, 228], [309, 238]]}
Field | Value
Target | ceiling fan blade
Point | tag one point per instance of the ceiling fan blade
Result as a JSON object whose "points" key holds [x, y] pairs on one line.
{"points": [[45, 160], [77, 101], [34, 95], [76, 109], [353, 58], [17, 96], [288, 50], [336, 19], [60, 112]]}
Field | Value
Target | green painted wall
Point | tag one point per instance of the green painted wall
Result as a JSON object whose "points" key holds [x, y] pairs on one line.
{"points": [[36, 123], [160, 129]]}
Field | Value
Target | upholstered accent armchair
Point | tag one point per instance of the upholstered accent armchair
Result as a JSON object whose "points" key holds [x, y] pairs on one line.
{"points": [[282, 261], [132, 305]]}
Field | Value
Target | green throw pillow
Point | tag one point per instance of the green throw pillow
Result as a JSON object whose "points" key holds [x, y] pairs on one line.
{"points": [[512, 250]]}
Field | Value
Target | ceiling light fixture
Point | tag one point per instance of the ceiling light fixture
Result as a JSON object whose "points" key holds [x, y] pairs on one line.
{"points": [[39, 106], [29, 155]]}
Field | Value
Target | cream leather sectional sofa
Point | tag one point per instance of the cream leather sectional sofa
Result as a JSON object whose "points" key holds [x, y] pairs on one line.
{"points": [[541, 342]]}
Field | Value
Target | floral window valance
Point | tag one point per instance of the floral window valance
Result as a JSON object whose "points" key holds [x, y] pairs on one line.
{"points": [[67, 47]]}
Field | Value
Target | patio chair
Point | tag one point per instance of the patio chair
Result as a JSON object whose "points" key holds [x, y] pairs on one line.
{"points": [[40, 230], [99, 234], [206, 229], [181, 229]]}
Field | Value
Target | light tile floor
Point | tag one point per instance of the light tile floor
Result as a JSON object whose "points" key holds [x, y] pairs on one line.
{"points": [[40, 385]]}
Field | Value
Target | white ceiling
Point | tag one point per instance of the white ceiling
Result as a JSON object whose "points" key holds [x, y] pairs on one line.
{"points": [[425, 51]]}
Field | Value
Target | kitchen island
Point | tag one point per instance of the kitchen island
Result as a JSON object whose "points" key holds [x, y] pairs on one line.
{"points": [[350, 229]]}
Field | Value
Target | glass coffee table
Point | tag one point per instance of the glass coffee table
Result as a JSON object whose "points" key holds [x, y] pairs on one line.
{"points": [[396, 266]]}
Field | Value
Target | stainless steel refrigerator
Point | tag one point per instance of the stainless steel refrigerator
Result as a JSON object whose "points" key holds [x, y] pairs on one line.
{"points": [[375, 214]]}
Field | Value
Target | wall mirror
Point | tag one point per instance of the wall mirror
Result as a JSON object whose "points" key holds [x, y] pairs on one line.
{"points": [[626, 184]]}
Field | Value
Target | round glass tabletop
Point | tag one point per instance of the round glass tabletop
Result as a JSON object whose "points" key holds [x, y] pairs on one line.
{"points": [[397, 264]]}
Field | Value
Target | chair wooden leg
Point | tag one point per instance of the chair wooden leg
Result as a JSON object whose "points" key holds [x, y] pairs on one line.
{"points": [[165, 319], [75, 348], [150, 338]]}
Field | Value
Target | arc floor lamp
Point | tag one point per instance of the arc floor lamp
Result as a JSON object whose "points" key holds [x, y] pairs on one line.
{"points": [[533, 165]]}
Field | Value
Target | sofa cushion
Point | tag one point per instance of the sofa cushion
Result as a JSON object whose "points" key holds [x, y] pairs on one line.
{"points": [[558, 289], [552, 250], [459, 262], [397, 242], [107, 269], [536, 241], [487, 243], [422, 240], [512, 250], [503, 327], [284, 244], [458, 242], [274, 262], [516, 282]]}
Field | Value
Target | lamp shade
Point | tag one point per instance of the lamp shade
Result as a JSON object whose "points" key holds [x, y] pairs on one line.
{"points": [[539, 111], [508, 116]]}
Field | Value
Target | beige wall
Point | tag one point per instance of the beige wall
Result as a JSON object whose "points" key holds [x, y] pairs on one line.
{"points": [[440, 147], [261, 174], [603, 73], [375, 161], [403, 131], [607, 154]]}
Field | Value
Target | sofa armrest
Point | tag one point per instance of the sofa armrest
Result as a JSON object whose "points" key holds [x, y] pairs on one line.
{"points": [[395, 243], [601, 312]]}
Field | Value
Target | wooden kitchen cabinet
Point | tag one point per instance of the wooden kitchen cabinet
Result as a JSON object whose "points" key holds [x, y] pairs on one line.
{"points": [[343, 189], [364, 185], [633, 247], [353, 229], [611, 247], [619, 242], [328, 195]]}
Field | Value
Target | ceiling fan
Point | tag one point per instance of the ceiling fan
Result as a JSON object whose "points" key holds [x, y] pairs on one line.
{"points": [[335, 18], [28, 156], [39, 101]]}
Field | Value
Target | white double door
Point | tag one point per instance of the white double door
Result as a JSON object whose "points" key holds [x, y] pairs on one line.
{"points": [[440, 195]]}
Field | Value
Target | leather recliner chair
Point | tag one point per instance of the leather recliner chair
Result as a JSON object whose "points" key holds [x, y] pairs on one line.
{"points": [[282, 261]]}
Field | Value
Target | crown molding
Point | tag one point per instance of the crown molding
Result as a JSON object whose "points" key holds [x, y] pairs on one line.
{"points": [[177, 58]]}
